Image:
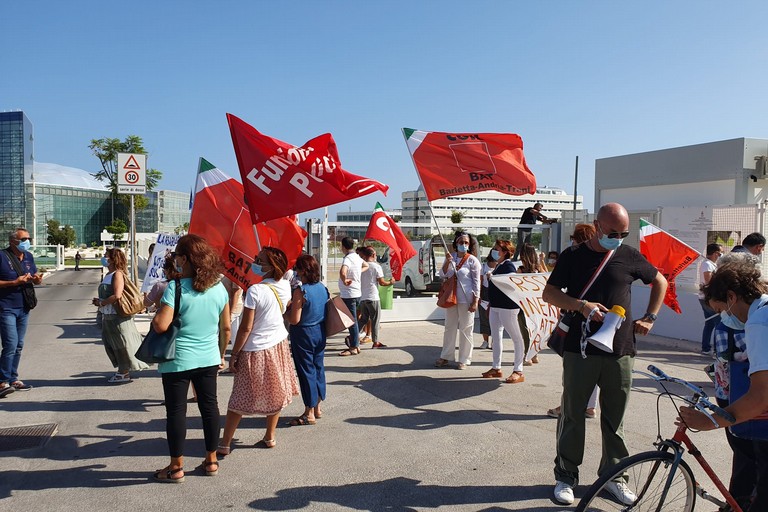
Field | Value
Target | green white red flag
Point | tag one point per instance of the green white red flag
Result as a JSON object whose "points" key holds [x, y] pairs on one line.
{"points": [[385, 230], [453, 164], [220, 215], [668, 254], [281, 179]]}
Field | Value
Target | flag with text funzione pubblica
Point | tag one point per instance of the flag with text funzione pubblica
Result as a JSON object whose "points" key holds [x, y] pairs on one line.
{"points": [[668, 254], [452, 164], [281, 179], [220, 215], [384, 229]]}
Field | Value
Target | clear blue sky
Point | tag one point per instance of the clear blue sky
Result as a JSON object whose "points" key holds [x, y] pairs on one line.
{"points": [[593, 79]]}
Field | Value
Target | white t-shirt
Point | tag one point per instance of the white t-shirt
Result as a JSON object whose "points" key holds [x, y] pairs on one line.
{"points": [[706, 266], [268, 327], [370, 281], [354, 265]]}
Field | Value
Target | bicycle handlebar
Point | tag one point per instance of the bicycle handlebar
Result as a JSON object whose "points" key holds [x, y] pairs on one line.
{"points": [[702, 403]]}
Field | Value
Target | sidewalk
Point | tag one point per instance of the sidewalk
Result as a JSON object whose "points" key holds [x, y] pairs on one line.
{"points": [[396, 434]]}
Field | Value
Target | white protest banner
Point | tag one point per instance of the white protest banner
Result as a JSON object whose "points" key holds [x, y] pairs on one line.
{"points": [[165, 244], [540, 317]]}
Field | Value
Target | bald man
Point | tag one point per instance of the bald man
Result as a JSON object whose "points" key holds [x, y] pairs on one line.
{"points": [[611, 371]]}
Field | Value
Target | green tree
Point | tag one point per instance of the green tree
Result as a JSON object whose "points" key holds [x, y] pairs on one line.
{"points": [[183, 229], [485, 240], [118, 228], [457, 216], [106, 150], [60, 235]]}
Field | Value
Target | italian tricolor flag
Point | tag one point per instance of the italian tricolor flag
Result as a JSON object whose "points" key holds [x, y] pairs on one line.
{"points": [[220, 215], [668, 254]]}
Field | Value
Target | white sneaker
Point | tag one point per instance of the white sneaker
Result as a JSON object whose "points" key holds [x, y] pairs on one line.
{"points": [[621, 492], [563, 493], [484, 345]]}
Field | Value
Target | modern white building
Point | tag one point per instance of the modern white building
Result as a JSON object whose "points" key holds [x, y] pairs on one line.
{"points": [[483, 212], [716, 173]]}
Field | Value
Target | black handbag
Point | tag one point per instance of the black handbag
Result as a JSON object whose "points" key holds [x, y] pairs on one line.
{"points": [[27, 289], [556, 340], [160, 347]]}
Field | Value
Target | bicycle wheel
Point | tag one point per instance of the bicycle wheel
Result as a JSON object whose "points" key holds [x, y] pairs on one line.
{"points": [[646, 474]]}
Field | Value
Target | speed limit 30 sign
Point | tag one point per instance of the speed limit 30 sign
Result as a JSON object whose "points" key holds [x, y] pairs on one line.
{"points": [[131, 173]]}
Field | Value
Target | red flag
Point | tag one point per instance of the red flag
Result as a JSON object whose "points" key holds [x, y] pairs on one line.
{"points": [[219, 215], [451, 164], [668, 254], [384, 229], [281, 179]]}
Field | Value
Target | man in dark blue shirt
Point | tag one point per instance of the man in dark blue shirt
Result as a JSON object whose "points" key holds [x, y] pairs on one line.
{"points": [[15, 306], [530, 216]]}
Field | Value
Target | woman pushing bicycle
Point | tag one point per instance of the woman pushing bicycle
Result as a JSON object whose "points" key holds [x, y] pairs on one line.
{"points": [[737, 292]]}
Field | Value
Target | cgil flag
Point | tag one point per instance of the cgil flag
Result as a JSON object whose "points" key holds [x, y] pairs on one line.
{"points": [[281, 179], [384, 229], [668, 254], [450, 164], [220, 215]]}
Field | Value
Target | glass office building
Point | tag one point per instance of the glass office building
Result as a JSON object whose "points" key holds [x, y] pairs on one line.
{"points": [[32, 193], [16, 157]]}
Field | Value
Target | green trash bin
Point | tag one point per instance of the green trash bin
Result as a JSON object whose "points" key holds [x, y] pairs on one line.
{"points": [[385, 296]]}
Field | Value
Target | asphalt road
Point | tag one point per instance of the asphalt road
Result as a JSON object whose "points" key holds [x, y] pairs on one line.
{"points": [[397, 433]]}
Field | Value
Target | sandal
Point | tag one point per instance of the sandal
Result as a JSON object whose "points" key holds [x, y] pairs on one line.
{"points": [[120, 378], [440, 363], [165, 475], [301, 420], [207, 464], [553, 413], [350, 352], [223, 451], [266, 443]]}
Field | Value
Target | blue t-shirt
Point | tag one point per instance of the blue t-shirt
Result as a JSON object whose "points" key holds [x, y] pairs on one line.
{"points": [[756, 332], [197, 344], [11, 296], [315, 297]]}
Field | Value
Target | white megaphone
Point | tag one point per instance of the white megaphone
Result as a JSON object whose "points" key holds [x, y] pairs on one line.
{"points": [[603, 338]]}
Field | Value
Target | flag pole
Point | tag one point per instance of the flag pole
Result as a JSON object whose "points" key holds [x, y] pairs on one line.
{"points": [[256, 234], [429, 203]]}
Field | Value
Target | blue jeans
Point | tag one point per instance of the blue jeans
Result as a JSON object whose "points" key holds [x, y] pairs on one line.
{"points": [[354, 331], [709, 326], [13, 326]]}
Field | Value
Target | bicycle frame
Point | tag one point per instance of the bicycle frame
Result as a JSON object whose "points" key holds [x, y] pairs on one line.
{"points": [[676, 443]]}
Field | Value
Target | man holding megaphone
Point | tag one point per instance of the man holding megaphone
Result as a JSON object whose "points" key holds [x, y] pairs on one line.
{"points": [[602, 271]]}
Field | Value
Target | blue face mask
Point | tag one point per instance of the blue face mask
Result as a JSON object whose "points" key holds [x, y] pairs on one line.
{"points": [[257, 269], [730, 320], [609, 243], [462, 247], [495, 254], [24, 245], [104, 262]]}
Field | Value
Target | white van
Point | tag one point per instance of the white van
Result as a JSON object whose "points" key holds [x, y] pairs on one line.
{"points": [[420, 273]]}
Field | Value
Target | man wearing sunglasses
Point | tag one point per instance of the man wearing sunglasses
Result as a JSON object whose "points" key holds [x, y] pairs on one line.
{"points": [[575, 267], [16, 287]]}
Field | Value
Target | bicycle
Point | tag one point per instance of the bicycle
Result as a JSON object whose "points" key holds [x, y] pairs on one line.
{"points": [[661, 479]]}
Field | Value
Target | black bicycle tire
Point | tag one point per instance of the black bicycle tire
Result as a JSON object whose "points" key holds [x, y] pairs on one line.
{"points": [[619, 469]]}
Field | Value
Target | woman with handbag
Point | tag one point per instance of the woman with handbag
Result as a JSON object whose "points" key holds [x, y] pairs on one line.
{"points": [[118, 333], [204, 320], [265, 378], [465, 268], [307, 318], [503, 315]]}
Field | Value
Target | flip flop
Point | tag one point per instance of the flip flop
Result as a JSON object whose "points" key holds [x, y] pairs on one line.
{"points": [[350, 352]]}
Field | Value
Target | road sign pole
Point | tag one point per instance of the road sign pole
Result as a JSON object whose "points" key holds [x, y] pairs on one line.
{"points": [[134, 270]]}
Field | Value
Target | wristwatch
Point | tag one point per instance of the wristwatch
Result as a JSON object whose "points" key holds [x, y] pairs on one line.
{"points": [[650, 316]]}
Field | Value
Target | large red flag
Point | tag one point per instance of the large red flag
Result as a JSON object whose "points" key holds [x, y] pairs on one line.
{"points": [[281, 179], [384, 229], [668, 254], [452, 164], [220, 215]]}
